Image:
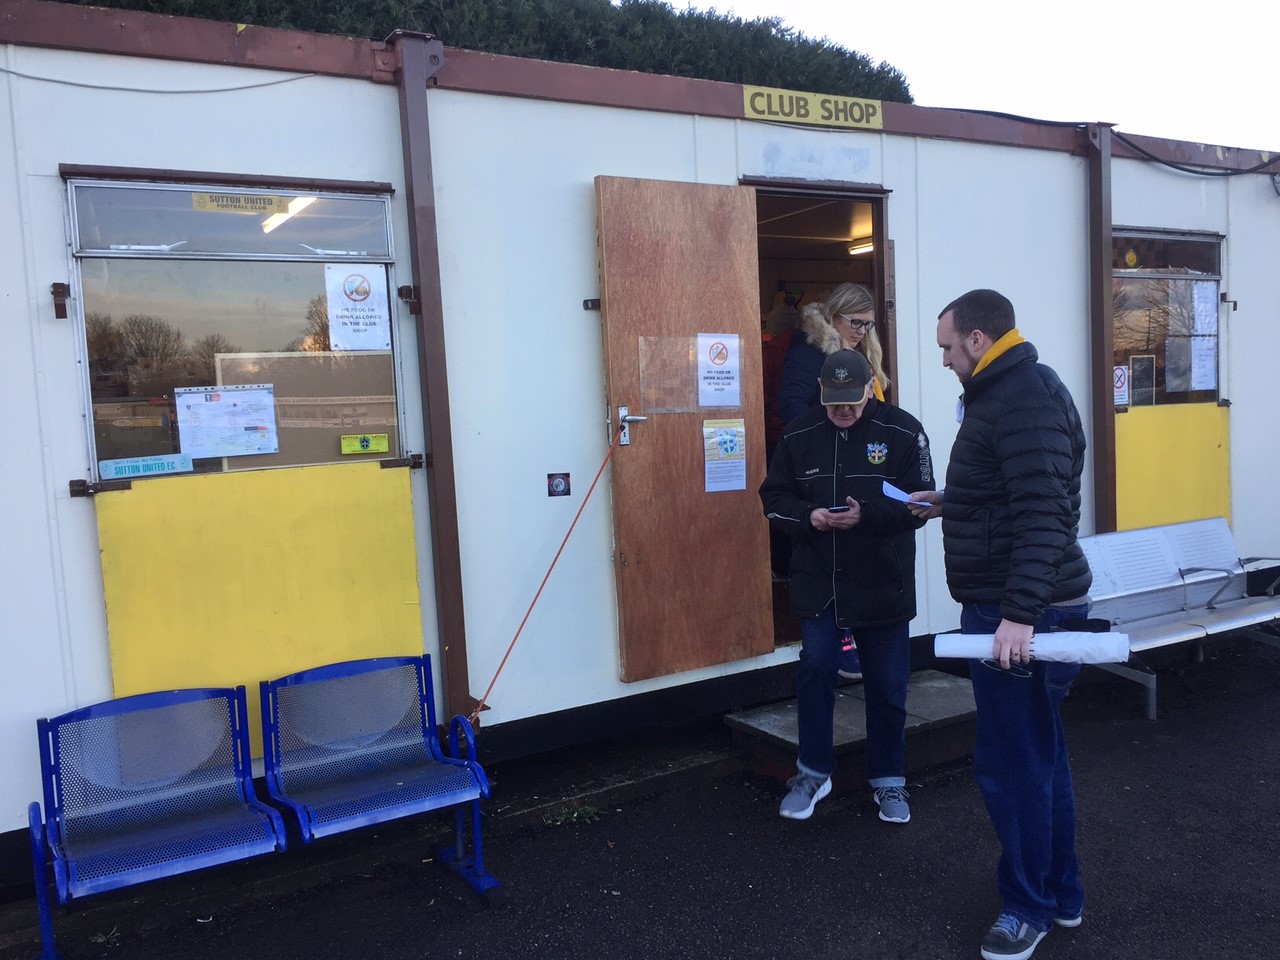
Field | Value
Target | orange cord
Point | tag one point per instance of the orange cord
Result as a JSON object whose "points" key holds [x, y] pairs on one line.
{"points": [[607, 457]]}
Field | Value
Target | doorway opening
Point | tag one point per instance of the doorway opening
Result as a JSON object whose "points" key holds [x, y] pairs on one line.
{"points": [[809, 242]]}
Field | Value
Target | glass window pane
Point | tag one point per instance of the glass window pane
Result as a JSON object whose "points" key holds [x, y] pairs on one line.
{"points": [[1178, 255], [1166, 333], [154, 327], [125, 220]]}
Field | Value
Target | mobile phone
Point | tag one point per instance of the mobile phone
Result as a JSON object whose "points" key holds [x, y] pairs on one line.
{"points": [[842, 508]]}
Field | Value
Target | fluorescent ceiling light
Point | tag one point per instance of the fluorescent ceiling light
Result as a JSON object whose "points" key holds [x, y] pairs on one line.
{"points": [[296, 206], [861, 246]]}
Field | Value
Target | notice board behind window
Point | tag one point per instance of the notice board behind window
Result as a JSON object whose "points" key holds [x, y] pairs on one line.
{"points": [[229, 329]]}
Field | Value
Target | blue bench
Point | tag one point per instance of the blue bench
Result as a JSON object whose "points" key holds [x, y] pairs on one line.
{"points": [[352, 744], [144, 787]]}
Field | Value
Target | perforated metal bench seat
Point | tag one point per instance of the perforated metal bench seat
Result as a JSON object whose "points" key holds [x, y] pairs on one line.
{"points": [[144, 787], [141, 853], [379, 795], [352, 744]]}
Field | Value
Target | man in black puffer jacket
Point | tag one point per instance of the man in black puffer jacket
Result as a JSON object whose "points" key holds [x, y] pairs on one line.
{"points": [[852, 570], [1010, 516]]}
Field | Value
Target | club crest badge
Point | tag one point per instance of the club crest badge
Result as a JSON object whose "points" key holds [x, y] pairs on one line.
{"points": [[877, 452]]}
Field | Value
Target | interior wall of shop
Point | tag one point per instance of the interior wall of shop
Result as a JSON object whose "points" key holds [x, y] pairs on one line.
{"points": [[55, 639], [1246, 210], [518, 233]]}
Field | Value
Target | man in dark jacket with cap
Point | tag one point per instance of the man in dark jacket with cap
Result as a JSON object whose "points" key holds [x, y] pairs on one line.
{"points": [[1010, 517], [852, 570]]}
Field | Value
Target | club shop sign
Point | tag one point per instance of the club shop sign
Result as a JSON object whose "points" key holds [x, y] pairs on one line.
{"points": [[815, 109]]}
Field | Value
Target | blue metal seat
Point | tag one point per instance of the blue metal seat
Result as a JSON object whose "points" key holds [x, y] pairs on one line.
{"points": [[355, 743], [145, 787]]}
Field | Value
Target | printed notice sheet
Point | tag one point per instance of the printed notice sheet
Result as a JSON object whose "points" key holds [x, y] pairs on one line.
{"points": [[228, 421], [359, 314], [724, 444], [718, 370], [1204, 337]]}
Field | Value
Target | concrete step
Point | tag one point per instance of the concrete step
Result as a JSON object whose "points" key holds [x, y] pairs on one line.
{"points": [[940, 726]]}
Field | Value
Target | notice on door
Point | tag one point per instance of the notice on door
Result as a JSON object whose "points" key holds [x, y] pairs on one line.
{"points": [[724, 445], [718, 355]]}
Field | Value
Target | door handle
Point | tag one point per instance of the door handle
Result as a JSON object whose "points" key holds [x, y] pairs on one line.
{"points": [[624, 425]]}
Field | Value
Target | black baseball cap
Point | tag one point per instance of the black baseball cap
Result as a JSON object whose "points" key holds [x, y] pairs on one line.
{"points": [[846, 375]]}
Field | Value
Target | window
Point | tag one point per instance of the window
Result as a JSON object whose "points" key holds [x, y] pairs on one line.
{"points": [[1165, 305], [234, 329]]}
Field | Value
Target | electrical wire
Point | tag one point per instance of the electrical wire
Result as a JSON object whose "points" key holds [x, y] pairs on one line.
{"points": [[113, 89]]}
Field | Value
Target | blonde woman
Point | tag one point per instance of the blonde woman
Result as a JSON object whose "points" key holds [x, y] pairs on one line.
{"points": [[846, 320]]}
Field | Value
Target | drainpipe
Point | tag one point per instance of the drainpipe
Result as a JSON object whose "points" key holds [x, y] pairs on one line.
{"points": [[420, 57], [1101, 327]]}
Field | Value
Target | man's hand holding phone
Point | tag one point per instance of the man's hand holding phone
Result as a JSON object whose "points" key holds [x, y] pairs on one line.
{"points": [[842, 516]]}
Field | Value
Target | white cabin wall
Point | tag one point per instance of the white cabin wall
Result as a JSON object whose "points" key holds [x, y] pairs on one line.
{"points": [[515, 207], [964, 216], [137, 113], [1251, 277]]}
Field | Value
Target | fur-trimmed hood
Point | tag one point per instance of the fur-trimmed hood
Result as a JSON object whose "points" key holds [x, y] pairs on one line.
{"points": [[818, 332]]}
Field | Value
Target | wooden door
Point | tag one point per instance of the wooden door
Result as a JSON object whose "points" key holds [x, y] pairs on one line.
{"points": [[679, 260]]}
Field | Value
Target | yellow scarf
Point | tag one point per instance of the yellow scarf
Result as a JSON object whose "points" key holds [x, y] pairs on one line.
{"points": [[1001, 346]]}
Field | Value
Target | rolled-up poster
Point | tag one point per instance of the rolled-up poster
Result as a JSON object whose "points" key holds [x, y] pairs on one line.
{"points": [[1060, 647]]}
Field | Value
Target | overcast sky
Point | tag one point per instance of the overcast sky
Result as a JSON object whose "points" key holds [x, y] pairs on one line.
{"points": [[1188, 71]]}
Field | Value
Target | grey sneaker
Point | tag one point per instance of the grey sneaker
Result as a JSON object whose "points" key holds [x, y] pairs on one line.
{"points": [[1070, 921], [892, 802], [806, 791], [1011, 939]]}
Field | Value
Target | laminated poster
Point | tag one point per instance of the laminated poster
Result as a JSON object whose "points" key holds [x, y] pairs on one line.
{"points": [[724, 444], [718, 365], [359, 313], [232, 420]]}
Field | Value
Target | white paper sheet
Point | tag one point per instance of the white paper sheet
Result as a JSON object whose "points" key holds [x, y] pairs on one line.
{"points": [[1062, 647], [896, 493]]}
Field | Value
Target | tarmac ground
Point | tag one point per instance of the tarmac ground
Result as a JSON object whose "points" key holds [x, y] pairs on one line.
{"points": [[668, 845]]}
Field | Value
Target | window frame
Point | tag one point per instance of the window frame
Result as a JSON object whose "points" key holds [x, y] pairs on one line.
{"points": [[1124, 234], [382, 194]]}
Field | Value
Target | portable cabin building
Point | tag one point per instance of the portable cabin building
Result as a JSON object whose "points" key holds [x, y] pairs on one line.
{"points": [[319, 347]]}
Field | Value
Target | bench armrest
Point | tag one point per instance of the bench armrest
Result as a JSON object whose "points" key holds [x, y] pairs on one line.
{"points": [[1209, 604], [461, 724]]}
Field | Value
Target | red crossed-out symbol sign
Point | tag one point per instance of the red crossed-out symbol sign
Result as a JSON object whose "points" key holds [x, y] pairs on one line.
{"points": [[718, 353]]}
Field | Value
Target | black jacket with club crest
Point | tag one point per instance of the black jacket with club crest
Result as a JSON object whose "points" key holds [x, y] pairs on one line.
{"points": [[868, 570]]}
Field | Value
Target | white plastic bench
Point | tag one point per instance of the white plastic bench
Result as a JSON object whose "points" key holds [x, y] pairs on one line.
{"points": [[1172, 584]]}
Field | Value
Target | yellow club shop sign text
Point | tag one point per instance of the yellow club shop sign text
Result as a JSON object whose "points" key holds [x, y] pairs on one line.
{"points": [[815, 109]]}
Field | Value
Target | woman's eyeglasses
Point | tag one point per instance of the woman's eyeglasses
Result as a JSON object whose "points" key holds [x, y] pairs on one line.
{"points": [[862, 326]]}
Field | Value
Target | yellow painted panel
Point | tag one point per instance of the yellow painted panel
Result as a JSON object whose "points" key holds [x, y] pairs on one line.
{"points": [[231, 578], [1172, 464]]}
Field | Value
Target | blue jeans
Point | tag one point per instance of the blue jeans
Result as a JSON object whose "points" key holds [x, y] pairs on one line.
{"points": [[886, 667], [1020, 761]]}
